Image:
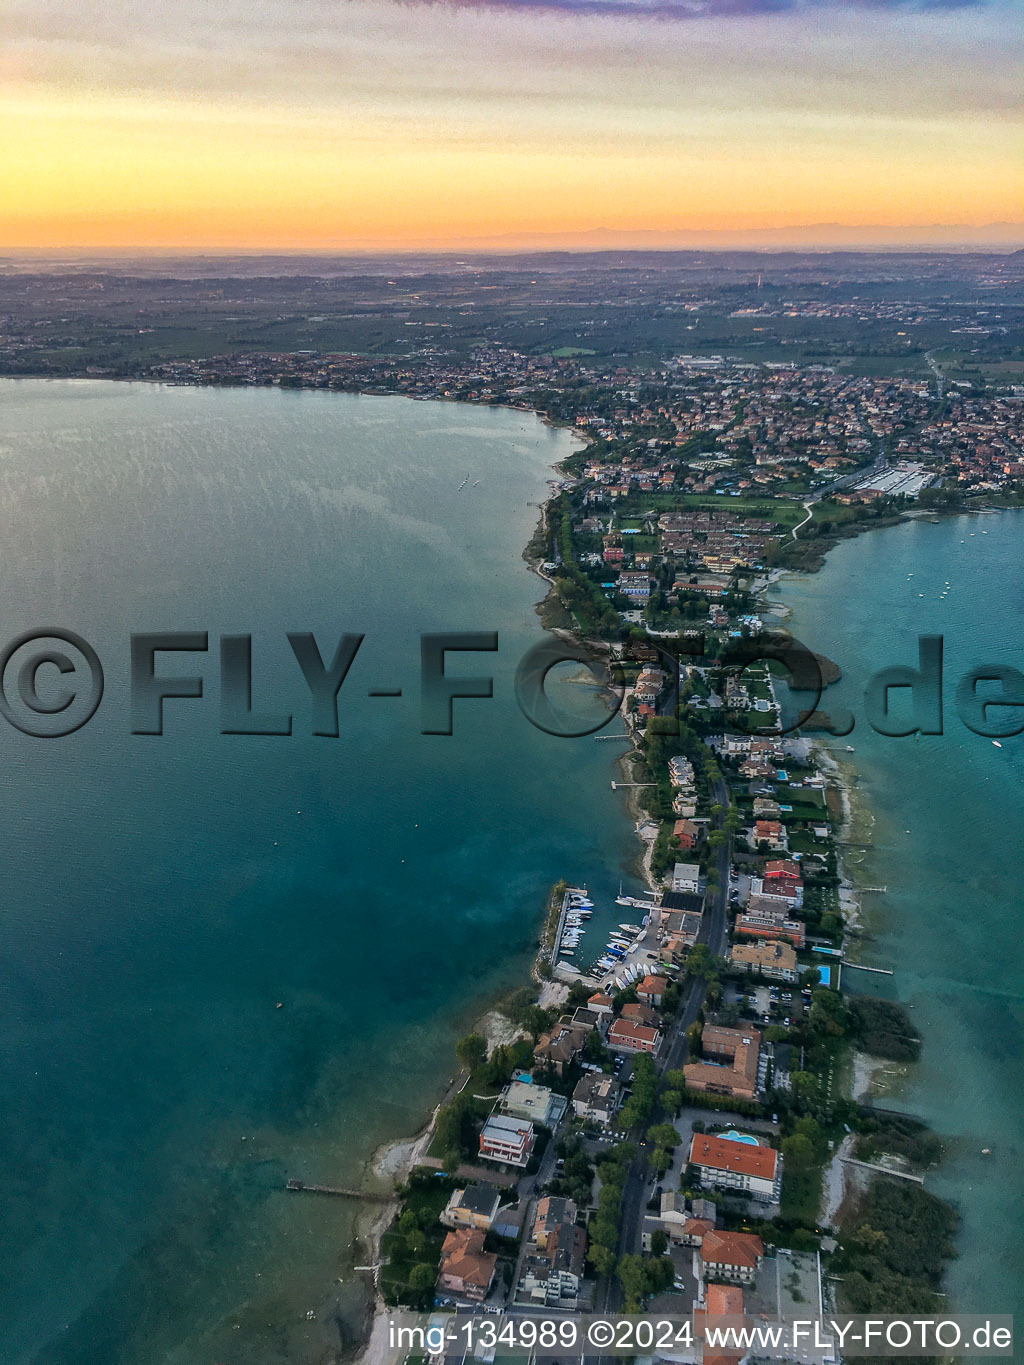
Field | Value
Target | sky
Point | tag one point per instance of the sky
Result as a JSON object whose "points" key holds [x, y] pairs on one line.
{"points": [[320, 124]]}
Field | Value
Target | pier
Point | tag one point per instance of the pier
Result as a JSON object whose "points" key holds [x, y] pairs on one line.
{"points": [[556, 946], [616, 785], [859, 967], [882, 1170], [627, 738], [647, 906], [339, 1192]]}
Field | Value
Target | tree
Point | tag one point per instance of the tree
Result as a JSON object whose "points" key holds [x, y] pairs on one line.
{"points": [[422, 1276], [798, 1152], [471, 1050], [664, 1135], [660, 1160], [659, 1242], [672, 1101], [632, 1274], [602, 1258], [803, 1084], [828, 1013], [453, 1126], [415, 1240]]}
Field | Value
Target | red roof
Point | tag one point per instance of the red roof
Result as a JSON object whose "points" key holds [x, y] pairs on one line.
{"points": [[625, 1028], [723, 1154], [743, 1249], [724, 1301], [781, 867]]}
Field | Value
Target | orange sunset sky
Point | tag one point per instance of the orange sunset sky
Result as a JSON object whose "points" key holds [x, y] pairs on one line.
{"points": [[318, 125]]}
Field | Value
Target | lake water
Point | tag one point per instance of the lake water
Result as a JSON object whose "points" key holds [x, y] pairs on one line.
{"points": [[949, 819], [161, 895]]}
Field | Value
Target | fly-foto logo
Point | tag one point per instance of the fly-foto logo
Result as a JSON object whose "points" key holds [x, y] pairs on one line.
{"points": [[52, 684]]}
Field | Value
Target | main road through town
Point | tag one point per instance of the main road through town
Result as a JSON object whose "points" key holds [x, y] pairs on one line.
{"points": [[637, 1188]]}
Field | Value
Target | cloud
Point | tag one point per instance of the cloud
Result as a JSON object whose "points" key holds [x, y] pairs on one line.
{"points": [[684, 10]]}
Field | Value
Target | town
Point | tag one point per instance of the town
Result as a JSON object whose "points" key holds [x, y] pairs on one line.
{"points": [[670, 1130], [670, 1121]]}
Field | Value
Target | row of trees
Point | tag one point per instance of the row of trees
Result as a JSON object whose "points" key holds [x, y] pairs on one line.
{"points": [[613, 1168]]}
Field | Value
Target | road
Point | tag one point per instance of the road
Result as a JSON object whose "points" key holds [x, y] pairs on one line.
{"points": [[639, 1183], [940, 378]]}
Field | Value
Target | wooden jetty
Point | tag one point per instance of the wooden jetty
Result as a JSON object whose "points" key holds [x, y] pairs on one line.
{"points": [[368, 1196]]}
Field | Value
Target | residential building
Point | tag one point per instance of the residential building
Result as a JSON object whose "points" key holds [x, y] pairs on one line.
{"points": [[723, 1309], [625, 1036], [552, 1212], [467, 1270], [686, 877], [781, 867], [787, 892], [729, 1062], [474, 1207], [524, 1100], [597, 1098], [651, 989], [507, 1140], [687, 834], [770, 832], [680, 771], [683, 1221], [641, 1014], [734, 1256], [559, 1048], [755, 923], [682, 928], [773, 959], [724, 1163], [554, 1264]]}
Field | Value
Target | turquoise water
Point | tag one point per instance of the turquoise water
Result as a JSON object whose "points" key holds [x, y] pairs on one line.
{"points": [[949, 816], [161, 895]]}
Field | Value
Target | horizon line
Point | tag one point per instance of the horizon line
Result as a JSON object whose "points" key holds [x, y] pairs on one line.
{"points": [[995, 238]]}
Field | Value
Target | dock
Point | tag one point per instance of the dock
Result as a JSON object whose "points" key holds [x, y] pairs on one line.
{"points": [[859, 967], [648, 906], [556, 946], [339, 1192], [882, 1170]]}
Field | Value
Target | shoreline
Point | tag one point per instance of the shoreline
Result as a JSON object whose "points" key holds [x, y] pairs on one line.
{"points": [[392, 1161], [869, 1078]]}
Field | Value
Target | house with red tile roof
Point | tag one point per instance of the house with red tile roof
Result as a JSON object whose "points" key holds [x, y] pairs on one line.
{"points": [[625, 1036], [728, 1065], [734, 1256], [750, 1168], [467, 1270], [651, 989]]}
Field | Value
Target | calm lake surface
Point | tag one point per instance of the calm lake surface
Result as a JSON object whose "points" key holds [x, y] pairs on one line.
{"points": [[161, 895], [949, 845]]}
